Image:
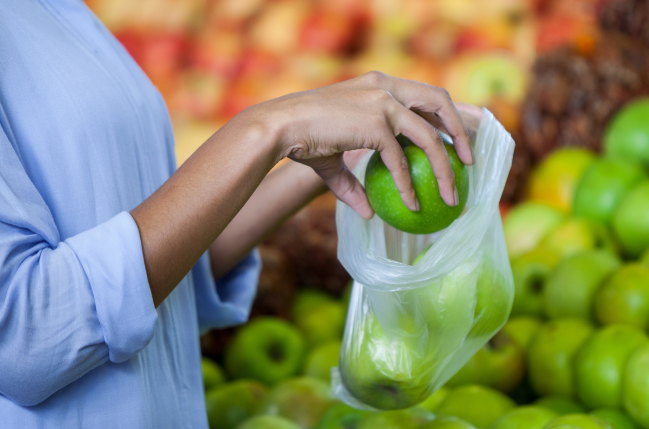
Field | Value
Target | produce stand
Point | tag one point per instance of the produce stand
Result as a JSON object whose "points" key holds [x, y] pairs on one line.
{"points": [[565, 78]]}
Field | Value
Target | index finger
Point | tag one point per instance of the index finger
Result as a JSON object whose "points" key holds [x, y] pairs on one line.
{"points": [[432, 102]]}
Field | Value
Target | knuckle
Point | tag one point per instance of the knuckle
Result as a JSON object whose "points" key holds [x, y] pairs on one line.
{"points": [[443, 92], [379, 96], [374, 78]]}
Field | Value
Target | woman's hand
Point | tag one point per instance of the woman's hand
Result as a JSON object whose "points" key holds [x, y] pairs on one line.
{"points": [[315, 128], [203, 200]]}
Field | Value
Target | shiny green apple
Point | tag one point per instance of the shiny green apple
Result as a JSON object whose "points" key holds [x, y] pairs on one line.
{"points": [[555, 179], [320, 361], [308, 300], [479, 405], [531, 272], [528, 417], [434, 214], [560, 405], [341, 416], [616, 418], [522, 329], [448, 423], [527, 224], [551, 353], [411, 418], [603, 185], [212, 374], [573, 236], [627, 134], [391, 362], [315, 332], [581, 421], [630, 220], [499, 364], [624, 297], [644, 259], [636, 386], [600, 363], [302, 400], [433, 401], [267, 422], [267, 349], [232, 403], [570, 288]]}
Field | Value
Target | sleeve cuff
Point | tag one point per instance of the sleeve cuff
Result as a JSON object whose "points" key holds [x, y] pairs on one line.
{"points": [[228, 300], [111, 256]]}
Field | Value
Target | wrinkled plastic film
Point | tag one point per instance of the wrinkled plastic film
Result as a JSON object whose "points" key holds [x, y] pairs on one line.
{"points": [[410, 328]]}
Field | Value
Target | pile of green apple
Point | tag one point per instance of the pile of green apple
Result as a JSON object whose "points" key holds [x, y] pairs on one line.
{"points": [[580, 246], [574, 355]]}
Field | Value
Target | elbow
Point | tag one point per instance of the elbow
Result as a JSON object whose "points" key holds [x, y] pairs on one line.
{"points": [[28, 394]]}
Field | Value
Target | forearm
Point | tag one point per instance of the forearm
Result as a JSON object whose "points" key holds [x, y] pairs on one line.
{"points": [[187, 213], [282, 193]]}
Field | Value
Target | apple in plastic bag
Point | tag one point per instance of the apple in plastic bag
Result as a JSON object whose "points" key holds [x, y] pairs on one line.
{"points": [[433, 215], [400, 341]]}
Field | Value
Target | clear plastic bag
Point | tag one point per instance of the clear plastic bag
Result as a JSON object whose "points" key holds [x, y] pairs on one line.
{"points": [[412, 327]]}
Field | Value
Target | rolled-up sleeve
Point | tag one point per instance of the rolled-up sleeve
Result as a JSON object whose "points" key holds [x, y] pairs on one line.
{"points": [[66, 306], [226, 301]]}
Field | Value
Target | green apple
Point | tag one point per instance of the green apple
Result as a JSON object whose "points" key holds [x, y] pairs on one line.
{"points": [[448, 423], [600, 363], [479, 77], [302, 400], [627, 134], [212, 374], [555, 179], [624, 297], [571, 287], [630, 220], [603, 186], [433, 402], [531, 271], [576, 235], [232, 403], [492, 307], [560, 405], [479, 405], [614, 417], [528, 417], [434, 214], [395, 352], [499, 364], [308, 300], [411, 418], [267, 422], [341, 416], [371, 375], [267, 349], [581, 421], [644, 259], [527, 224], [320, 361], [551, 353], [522, 330], [315, 332], [636, 386], [564, 426]]}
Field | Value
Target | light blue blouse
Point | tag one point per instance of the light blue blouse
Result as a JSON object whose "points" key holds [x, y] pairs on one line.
{"points": [[85, 138]]}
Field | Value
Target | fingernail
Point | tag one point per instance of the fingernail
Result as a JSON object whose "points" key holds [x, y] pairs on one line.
{"points": [[472, 157], [456, 197], [417, 205]]}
